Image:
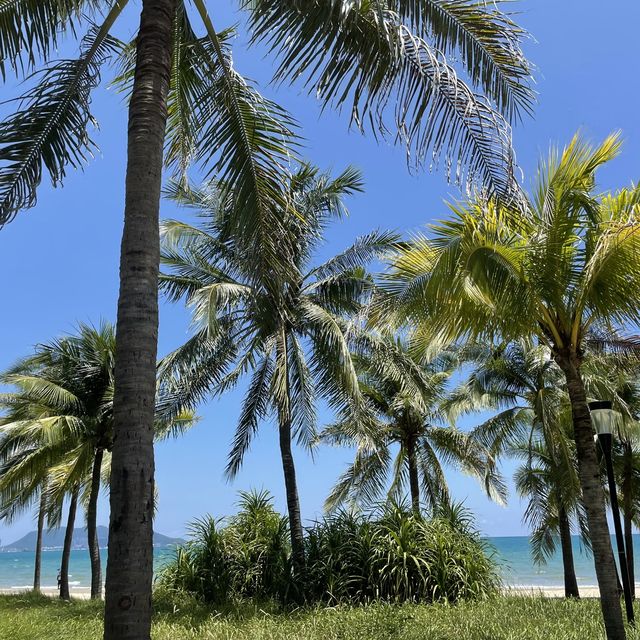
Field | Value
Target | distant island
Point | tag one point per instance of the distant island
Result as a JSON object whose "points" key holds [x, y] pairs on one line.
{"points": [[54, 540]]}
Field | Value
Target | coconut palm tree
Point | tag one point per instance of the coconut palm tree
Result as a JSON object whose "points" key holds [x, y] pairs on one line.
{"points": [[549, 482], [274, 317], [33, 467], [614, 377], [406, 401], [565, 264], [10, 509], [524, 385], [375, 57], [522, 382], [65, 393], [57, 430]]}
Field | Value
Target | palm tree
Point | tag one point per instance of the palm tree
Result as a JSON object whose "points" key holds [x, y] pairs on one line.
{"points": [[524, 385], [34, 460], [58, 430], [406, 400], [549, 480], [269, 315], [11, 508], [615, 377], [566, 264], [65, 393], [361, 52]]}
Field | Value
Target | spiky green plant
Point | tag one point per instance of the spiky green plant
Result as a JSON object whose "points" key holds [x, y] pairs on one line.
{"points": [[388, 555]]}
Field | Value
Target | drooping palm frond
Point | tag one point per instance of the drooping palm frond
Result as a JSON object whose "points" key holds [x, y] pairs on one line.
{"points": [[30, 29], [302, 393], [187, 374], [363, 481], [365, 249], [254, 409], [49, 129], [462, 451], [246, 140], [362, 54], [485, 39]]}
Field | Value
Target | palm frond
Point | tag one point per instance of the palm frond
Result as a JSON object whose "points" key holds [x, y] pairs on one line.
{"points": [[363, 481], [359, 254], [486, 40], [49, 129], [255, 408], [362, 54], [30, 29]]}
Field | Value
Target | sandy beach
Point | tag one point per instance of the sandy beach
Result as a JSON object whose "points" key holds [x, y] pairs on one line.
{"points": [[83, 593], [549, 592]]}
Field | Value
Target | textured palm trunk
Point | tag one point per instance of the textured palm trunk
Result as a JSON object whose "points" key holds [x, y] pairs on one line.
{"points": [[288, 466], [593, 499], [66, 548], [570, 580], [38, 560], [130, 556], [628, 542], [92, 530], [414, 483], [627, 504]]}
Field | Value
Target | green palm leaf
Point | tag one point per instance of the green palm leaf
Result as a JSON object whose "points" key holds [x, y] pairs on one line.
{"points": [[31, 28], [49, 129], [363, 55]]}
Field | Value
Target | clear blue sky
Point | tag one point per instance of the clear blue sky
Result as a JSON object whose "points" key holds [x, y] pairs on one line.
{"points": [[59, 260]]}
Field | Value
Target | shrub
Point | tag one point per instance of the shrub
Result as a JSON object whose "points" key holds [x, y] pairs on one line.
{"points": [[390, 555], [245, 556], [397, 557]]}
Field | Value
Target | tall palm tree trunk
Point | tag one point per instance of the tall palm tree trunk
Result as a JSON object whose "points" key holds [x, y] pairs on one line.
{"points": [[627, 504], [628, 542], [288, 466], [38, 560], [130, 556], [66, 549], [570, 580], [414, 483], [593, 498], [92, 529]]}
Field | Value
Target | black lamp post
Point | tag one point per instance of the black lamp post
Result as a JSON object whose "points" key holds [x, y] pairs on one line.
{"points": [[604, 420]]}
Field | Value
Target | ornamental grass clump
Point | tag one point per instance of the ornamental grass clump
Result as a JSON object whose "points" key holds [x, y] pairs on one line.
{"points": [[246, 556], [396, 556], [390, 555]]}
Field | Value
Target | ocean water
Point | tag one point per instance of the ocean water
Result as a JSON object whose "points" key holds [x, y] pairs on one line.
{"points": [[16, 569], [512, 553], [518, 569]]}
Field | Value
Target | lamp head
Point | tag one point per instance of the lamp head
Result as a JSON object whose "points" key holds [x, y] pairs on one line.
{"points": [[603, 417]]}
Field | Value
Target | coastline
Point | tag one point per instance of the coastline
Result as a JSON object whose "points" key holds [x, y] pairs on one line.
{"points": [[84, 593], [548, 592], [79, 593]]}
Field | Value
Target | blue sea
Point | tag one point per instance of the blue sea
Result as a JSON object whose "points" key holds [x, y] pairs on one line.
{"points": [[512, 553]]}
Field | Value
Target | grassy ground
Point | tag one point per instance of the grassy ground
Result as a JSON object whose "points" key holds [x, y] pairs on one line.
{"points": [[505, 618]]}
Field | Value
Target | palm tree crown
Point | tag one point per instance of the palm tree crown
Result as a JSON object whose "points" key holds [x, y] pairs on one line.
{"points": [[406, 400], [280, 320], [366, 55], [566, 265]]}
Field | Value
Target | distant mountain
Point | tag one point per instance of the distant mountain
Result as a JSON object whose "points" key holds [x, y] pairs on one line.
{"points": [[54, 539]]}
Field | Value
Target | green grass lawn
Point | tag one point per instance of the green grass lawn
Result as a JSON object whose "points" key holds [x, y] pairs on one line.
{"points": [[504, 618]]}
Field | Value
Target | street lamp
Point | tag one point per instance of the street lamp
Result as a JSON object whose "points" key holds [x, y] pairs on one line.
{"points": [[604, 420]]}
